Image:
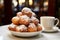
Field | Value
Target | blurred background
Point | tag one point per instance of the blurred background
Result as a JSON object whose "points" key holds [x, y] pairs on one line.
{"points": [[9, 8]]}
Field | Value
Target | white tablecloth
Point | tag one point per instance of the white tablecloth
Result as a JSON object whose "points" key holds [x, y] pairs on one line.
{"points": [[6, 35]]}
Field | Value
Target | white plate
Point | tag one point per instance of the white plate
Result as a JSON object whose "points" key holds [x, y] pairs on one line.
{"points": [[55, 29], [25, 34]]}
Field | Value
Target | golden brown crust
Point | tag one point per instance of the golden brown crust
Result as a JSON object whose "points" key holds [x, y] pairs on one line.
{"points": [[19, 14], [21, 28], [34, 20], [12, 27], [15, 20], [32, 27], [26, 11], [24, 20], [39, 27]]}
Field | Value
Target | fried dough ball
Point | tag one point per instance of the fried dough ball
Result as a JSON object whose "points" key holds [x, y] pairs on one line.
{"points": [[32, 27], [15, 20], [39, 27], [33, 14], [12, 27], [19, 14], [24, 20], [34, 20], [21, 28], [26, 11]]}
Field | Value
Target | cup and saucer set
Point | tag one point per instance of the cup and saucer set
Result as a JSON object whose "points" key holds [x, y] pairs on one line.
{"points": [[47, 22]]}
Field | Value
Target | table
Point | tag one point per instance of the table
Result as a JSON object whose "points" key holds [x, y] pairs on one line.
{"points": [[6, 35]]}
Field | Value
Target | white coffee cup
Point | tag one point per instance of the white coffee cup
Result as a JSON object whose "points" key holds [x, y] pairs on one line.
{"points": [[48, 22]]}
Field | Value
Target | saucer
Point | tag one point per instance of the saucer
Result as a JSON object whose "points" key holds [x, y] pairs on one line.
{"points": [[55, 29]]}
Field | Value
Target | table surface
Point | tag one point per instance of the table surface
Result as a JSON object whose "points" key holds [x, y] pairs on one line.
{"points": [[6, 35]]}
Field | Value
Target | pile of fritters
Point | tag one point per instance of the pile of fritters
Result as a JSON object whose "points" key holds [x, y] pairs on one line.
{"points": [[25, 21]]}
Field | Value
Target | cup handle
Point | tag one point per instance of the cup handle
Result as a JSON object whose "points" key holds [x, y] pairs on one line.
{"points": [[57, 21]]}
